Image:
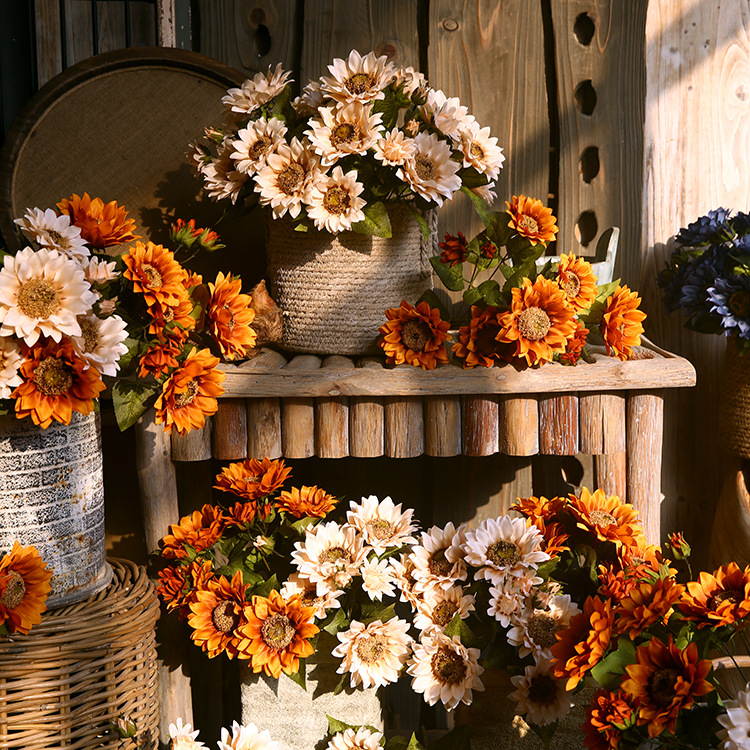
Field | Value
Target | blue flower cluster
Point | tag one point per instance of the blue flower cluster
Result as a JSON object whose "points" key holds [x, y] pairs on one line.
{"points": [[707, 276]]}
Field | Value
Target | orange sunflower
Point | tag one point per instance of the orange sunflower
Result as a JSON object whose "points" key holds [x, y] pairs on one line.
{"points": [[641, 559], [278, 633], [229, 316], [621, 323], [453, 249], [718, 598], [242, 514], [477, 343], [56, 382], [608, 519], [252, 479], [615, 583], [581, 647], [575, 345], [218, 613], [306, 501], [177, 585], [101, 224], [161, 358], [665, 680], [606, 716], [576, 278], [179, 315], [189, 394], [414, 335], [646, 604], [24, 586], [539, 323], [540, 508], [200, 530], [555, 536], [531, 219], [155, 274]]}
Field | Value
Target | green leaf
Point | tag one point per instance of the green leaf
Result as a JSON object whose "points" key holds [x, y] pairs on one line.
{"points": [[341, 685], [470, 178], [415, 744], [460, 627], [397, 743], [300, 525], [419, 216], [131, 399], [546, 732], [457, 739], [335, 725], [7, 406], [490, 291], [376, 221], [472, 295], [451, 276], [489, 218], [299, 676], [136, 349], [271, 584], [377, 611], [436, 303], [337, 623], [388, 106], [609, 671]]}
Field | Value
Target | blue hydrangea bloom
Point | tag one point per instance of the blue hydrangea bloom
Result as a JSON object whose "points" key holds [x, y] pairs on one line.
{"points": [[699, 275], [730, 298], [711, 229], [741, 223]]}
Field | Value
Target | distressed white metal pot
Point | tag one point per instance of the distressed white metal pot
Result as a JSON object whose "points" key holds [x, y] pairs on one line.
{"points": [[52, 497]]}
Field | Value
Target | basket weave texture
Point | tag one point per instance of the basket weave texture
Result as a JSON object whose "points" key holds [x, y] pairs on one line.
{"points": [[64, 683], [734, 402], [334, 289]]}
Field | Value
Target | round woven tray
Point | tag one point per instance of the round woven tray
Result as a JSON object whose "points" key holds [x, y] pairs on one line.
{"points": [[65, 683]]}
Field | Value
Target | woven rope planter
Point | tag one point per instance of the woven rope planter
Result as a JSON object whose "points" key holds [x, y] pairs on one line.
{"points": [[65, 682], [52, 496], [734, 402], [334, 289]]}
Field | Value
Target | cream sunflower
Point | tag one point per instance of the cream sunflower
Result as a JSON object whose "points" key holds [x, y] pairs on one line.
{"points": [[359, 739], [330, 556], [439, 607], [431, 172], [287, 177], [357, 78], [310, 100], [333, 202], [534, 630], [373, 654], [402, 571], [54, 232], [448, 115], [255, 142], [10, 362], [246, 738], [382, 523], [306, 589], [410, 79], [182, 737], [99, 271], [220, 177], [344, 130], [480, 150], [436, 562], [394, 148], [41, 293], [503, 546], [539, 696], [508, 597], [377, 579], [101, 342], [443, 669], [256, 91], [736, 722]]}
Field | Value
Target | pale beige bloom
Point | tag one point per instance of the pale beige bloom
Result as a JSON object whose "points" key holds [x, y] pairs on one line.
{"points": [[448, 115], [182, 737], [101, 342], [439, 607], [256, 91], [382, 523], [534, 630], [480, 150], [307, 590], [340, 131], [10, 362], [394, 148], [357, 78], [333, 201], [431, 172], [432, 564], [736, 722], [510, 595], [377, 579], [311, 98], [54, 232], [255, 142], [220, 178], [246, 738], [411, 79], [360, 739]]}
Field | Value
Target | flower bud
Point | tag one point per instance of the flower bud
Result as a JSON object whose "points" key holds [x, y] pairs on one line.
{"points": [[124, 727], [676, 547]]}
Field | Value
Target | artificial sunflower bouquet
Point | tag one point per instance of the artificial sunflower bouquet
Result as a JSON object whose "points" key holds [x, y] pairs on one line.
{"points": [[512, 309], [87, 299], [24, 587]]}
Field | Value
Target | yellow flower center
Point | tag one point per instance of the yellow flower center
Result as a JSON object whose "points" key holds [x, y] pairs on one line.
{"points": [[476, 151], [224, 618], [336, 200], [739, 303], [415, 334], [254, 478], [372, 648], [344, 132], [448, 667], [542, 690], [443, 612], [379, 528], [543, 630], [570, 284], [438, 565], [360, 83], [14, 591], [277, 631], [186, 398], [259, 147], [534, 323], [52, 377], [290, 178], [89, 333], [661, 686], [503, 553], [335, 555], [37, 298], [528, 225], [602, 518], [425, 168], [154, 279]]}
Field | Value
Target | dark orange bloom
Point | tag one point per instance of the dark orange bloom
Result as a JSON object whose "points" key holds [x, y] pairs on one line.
{"points": [[229, 315], [306, 501], [640, 558], [177, 585], [252, 479], [180, 315], [607, 716], [539, 323], [189, 394], [278, 633], [160, 358], [24, 587], [576, 278], [530, 218], [555, 536], [664, 681], [540, 508], [646, 604], [477, 343], [414, 335], [241, 514], [488, 250], [621, 324], [607, 518], [101, 224], [200, 530], [453, 249], [582, 646], [718, 598], [57, 382], [575, 345], [155, 274], [615, 583]]}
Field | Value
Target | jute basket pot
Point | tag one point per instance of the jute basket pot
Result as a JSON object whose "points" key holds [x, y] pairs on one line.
{"points": [[334, 289], [52, 497], [734, 402]]}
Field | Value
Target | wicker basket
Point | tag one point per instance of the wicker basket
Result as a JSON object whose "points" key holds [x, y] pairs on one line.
{"points": [[64, 683], [334, 289], [734, 402]]}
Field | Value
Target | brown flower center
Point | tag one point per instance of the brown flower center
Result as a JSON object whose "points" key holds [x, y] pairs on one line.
{"points": [[89, 333], [57, 238], [503, 553], [448, 667], [344, 132], [309, 598], [37, 298], [661, 686], [372, 648], [254, 478], [335, 555], [14, 591], [290, 178], [476, 151], [570, 284], [443, 612], [415, 334], [224, 618], [543, 630], [528, 225], [534, 323], [187, 397], [730, 595], [153, 277], [379, 528], [485, 339], [277, 631], [542, 690], [336, 200], [602, 518], [424, 168], [360, 83], [438, 565], [739, 303], [52, 377], [259, 147]]}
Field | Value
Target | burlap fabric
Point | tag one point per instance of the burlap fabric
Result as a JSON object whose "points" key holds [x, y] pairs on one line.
{"points": [[334, 289], [734, 402]]}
